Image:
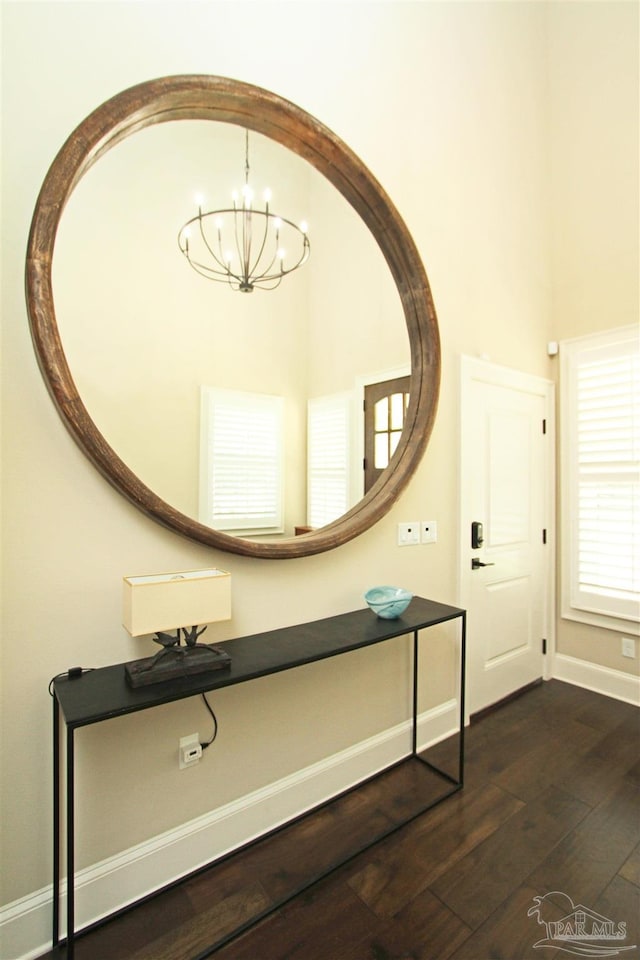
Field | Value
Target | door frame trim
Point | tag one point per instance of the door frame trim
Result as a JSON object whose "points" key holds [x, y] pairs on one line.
{"points": [[474, 369]]}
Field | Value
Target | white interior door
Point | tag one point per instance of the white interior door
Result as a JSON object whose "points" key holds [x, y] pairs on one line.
{"points": [[506, 568]]}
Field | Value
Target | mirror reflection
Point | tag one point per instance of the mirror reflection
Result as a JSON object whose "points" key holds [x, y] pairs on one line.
{"points": [[243, 411]]}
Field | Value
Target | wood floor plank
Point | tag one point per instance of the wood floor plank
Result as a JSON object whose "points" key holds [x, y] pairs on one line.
{"points": [[228, 878], [131, 930], [558, 700], [633, 773], [196, 933], [621, 743], [511, 934], [405, 790], [296, 855], [586, 860], [630, 869], [507, 934], [424, 930], [475, 886], [551, 704], [605, 713], [480, 814], [593, 778], [547, 760], [294, 858], [386, 883], [620, 902], [400, 869], [493, 746], [319, 925]]}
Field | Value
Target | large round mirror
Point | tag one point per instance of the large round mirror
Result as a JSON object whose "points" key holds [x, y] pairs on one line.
{"points": [[141, 354]]}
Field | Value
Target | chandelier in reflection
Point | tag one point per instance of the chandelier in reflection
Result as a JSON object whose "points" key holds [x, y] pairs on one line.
{"points": [[244, 245]]}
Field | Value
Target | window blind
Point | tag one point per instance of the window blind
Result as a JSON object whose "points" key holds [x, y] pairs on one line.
{"points": [[241, 456], [328, 445], [601, 398]]}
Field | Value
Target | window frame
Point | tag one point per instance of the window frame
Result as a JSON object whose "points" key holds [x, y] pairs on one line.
{"points": [[578, 604]]}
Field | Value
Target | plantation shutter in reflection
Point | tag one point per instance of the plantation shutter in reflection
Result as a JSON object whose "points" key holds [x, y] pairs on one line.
{"points": [[328, 445], [603, 406], [241, 461]]}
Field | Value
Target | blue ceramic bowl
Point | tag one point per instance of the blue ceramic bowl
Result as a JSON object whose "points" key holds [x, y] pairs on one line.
{"points": [[388, 602]]}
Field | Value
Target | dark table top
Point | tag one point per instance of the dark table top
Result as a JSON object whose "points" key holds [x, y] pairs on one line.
{"points": [[104, 693]]}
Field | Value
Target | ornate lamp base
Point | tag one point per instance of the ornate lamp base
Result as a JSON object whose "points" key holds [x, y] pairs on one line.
{"points": [[177, 662]]}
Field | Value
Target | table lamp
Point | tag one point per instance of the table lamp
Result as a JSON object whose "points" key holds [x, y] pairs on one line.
{"points": [[177, 602]]}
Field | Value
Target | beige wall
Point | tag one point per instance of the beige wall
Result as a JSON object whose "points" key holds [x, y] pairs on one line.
{"points": [[595, 205], [448, 106]]}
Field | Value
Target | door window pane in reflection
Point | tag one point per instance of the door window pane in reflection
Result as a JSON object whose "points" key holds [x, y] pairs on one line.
{"points": [[381, 451], [382, 415], [397, 401]]}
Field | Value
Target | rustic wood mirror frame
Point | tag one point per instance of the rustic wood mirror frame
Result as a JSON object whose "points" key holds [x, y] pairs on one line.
{"points": [[218, 98]]}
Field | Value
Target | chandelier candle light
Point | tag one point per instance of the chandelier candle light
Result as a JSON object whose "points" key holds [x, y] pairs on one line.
{"points": [[244, 245]]}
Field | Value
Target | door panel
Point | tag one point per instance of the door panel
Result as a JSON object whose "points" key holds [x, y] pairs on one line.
{"points": [[508, 462], [504, 482], [508, 601]]}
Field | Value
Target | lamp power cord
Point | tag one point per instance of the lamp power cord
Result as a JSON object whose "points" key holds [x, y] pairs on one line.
{"points": [[215, 723], [73, 673]]}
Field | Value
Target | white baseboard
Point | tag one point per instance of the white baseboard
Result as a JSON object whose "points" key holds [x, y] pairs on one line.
{"points": [[592, 676], [25, 925]]}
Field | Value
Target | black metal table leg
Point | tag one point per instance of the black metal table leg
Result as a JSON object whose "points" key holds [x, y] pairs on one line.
{"points": [[456, 779], [70, 846], [463, 660], [414, 735], [55, 935]]}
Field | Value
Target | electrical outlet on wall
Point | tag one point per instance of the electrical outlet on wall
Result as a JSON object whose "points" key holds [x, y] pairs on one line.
{"points": [[408, 534], [189, 751], [429, 531], [629, 647]]}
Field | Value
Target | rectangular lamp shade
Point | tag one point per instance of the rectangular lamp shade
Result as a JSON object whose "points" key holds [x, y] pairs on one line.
{"points": [[170, 600]]}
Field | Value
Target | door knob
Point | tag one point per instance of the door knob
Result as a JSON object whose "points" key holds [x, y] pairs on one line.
{"points": [[476, 563]]}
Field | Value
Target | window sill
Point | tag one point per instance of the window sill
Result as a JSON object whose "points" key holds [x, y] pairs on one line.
{"points": [[617, 624]]}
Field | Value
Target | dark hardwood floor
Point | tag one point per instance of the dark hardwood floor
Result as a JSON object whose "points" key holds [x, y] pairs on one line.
{"points": [[549, 810]]}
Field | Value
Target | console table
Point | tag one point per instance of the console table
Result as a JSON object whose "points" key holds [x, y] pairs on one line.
{"points": [[101, 694]]}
